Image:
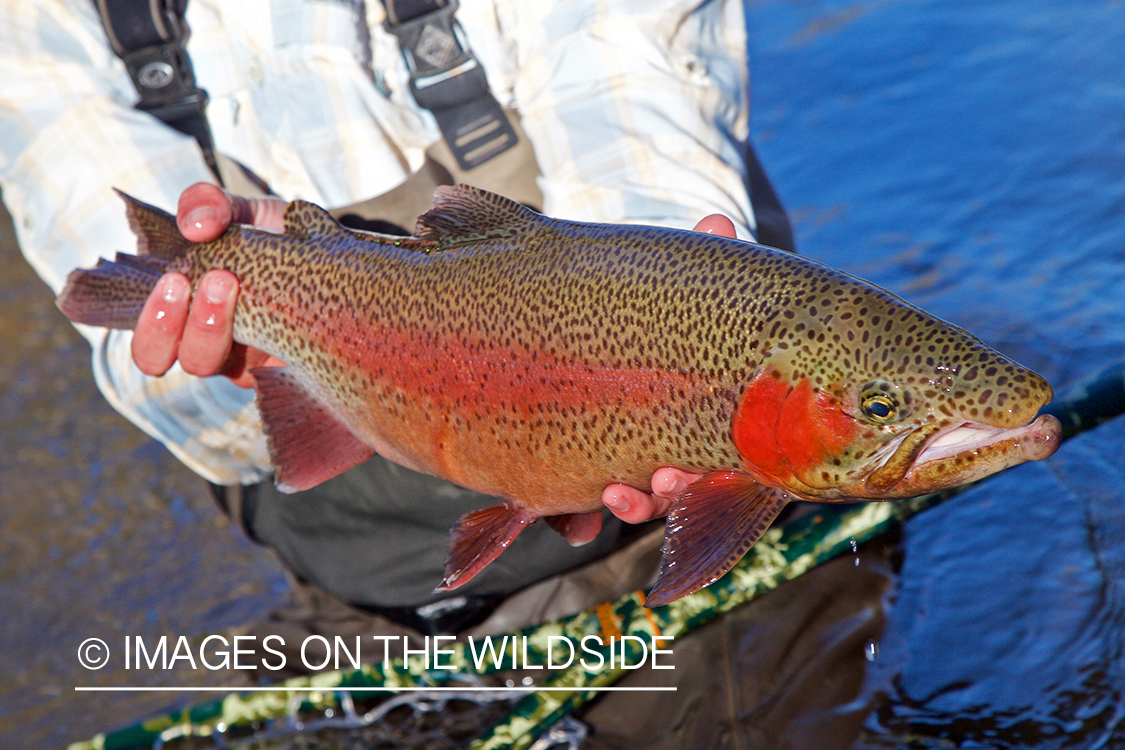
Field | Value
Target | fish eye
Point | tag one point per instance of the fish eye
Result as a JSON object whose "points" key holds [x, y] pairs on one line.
{"points": [[883, 403], [880, 408]]}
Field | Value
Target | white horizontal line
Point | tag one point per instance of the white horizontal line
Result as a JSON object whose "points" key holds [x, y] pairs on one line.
{"points": [[466, 689]]}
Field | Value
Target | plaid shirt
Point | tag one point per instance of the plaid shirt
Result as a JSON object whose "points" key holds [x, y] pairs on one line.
{"points": [[637, 112]]}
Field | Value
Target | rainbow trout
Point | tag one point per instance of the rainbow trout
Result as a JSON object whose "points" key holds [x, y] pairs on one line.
{"points": [[540, 360]]}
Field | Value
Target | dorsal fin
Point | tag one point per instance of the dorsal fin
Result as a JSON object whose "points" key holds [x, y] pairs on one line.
{"points": [[464, 214], [308, 220]]}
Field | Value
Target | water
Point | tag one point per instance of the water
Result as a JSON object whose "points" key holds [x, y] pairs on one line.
{"points": [[102, 534], [968, 156], [971, 157]]}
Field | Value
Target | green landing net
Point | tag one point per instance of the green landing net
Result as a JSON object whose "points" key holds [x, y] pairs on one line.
{"points": [[459, 701]]}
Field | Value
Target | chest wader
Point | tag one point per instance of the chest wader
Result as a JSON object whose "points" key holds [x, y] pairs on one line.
{"points": [[376, 536]]}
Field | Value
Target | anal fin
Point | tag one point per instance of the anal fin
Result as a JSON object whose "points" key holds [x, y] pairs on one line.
{"points": [[479, 538], [307, 442], [713, 523]]}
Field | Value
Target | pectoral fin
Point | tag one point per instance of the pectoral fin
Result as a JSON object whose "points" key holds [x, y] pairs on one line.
{"points": [[713, 523], [307, 443]]}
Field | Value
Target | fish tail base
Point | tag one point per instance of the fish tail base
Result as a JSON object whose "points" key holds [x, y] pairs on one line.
{"points": [[113, 293]]}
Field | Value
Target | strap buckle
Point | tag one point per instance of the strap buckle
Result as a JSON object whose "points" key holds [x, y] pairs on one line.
{"points": [[432, 43], [151, 39], [163, 76], [446, 79]]}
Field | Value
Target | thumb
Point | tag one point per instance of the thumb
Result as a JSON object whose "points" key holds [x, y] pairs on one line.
{"points": [[206, 210]]}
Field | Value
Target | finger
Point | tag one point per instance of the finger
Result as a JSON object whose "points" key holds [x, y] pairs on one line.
{"points": [[242, 360], [206, 342], [156, 337], [669, 482], [630, 504], [716, 224], [204, 212], [634, 506], [265, 211]]}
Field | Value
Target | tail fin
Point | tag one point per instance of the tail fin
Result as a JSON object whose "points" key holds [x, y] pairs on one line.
{"points": [[112, 294], [156, 230]]}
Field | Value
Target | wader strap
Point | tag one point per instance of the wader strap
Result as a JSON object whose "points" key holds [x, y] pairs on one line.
{"points": [[513, 173], [446, 79], [773, 223], [150, 37]]}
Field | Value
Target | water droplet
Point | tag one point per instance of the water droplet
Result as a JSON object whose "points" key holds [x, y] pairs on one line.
{"points": [[871, 650]]}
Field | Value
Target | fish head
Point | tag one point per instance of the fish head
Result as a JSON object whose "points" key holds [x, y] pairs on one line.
{"points": [[863, 396]]}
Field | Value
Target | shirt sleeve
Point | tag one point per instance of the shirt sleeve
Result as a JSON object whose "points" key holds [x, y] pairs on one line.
{"points": [[638, 112], [68, 133]]}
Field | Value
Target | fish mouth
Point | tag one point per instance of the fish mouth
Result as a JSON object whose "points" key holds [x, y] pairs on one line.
{"points": [[933, 459], [1037, 440]]}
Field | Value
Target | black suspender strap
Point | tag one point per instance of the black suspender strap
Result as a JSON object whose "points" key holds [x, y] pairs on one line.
{"points": [[446, 79], [150, 36]]}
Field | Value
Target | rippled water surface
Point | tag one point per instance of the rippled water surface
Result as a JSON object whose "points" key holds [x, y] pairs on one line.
{"points": [[971, 157], [968, 156]]}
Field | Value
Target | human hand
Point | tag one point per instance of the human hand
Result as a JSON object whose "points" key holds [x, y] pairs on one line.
{"points": [[196, 328], [636, 506]]}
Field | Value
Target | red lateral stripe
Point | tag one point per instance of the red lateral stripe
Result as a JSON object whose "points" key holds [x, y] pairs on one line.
{"points": [[472, 376]]}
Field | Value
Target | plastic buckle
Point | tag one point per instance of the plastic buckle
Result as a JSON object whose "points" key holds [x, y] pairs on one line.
{"points": [[164, 79], [163, 76], [431, 43], [446, 79]]}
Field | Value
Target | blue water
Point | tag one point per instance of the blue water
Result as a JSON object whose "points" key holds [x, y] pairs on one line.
{"points": [[969, 156]]}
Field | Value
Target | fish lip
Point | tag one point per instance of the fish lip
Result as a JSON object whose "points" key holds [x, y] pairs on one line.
{"points": [[1034, 441], [912, 465]]}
